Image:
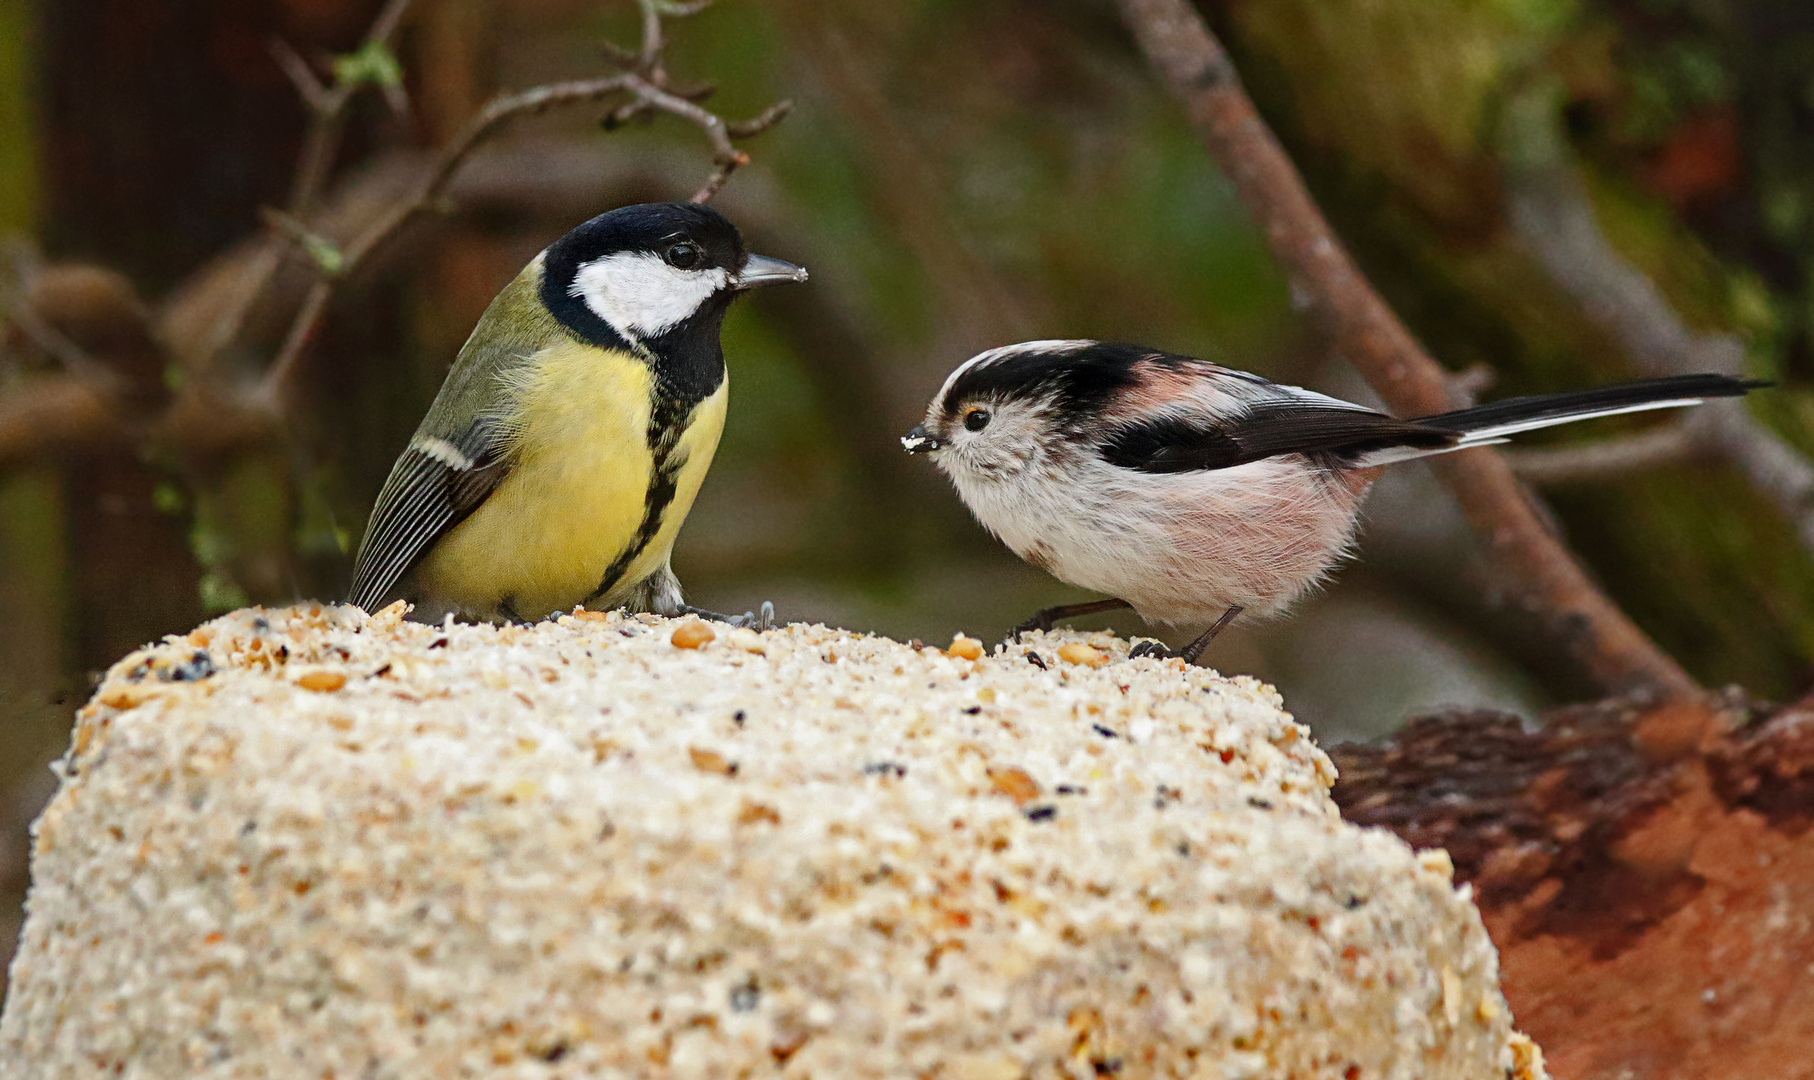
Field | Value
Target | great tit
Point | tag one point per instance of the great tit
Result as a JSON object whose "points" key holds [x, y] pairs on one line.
{"points": [[1189, 491], [567, 444]]}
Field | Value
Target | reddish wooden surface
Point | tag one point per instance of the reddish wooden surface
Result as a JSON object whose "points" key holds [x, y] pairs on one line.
{"points": [[1648, 876]]}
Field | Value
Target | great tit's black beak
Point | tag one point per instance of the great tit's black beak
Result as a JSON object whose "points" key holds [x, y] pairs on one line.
{"points": [[762, 270], [920, 441]]}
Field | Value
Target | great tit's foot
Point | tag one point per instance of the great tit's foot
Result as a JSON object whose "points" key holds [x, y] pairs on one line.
{"points": [[718, 616], [1043, 620], [1150, 649], [761, 619]]}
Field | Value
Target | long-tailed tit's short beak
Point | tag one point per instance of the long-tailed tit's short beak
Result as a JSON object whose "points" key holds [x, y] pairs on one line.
{"points": [[919, 441], [762, 270]]}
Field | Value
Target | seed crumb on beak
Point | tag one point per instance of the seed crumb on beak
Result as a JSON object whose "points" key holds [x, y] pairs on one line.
{"points": [[919, 441]]}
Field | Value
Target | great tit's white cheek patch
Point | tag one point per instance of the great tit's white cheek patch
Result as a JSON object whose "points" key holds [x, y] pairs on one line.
{"points": [[641, 295]]}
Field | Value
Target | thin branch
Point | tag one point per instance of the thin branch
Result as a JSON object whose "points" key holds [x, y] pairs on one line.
{"points": [[308, 85], [269, 394], [423, 200], [1606, 459], [1198, 72], [71, 357], [726, 158], [326, 254], [647, 95], [1552, 214], [329, 104], [649, 62], [654, 44]]}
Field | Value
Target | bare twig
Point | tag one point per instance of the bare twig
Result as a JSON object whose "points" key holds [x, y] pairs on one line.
{"points": [[308, 85], [423, 200], [649, 94], [1552, 213], [329, 103], [327, 106], [71, 357], [1198, 72], [1608, 458], [654, 45]]}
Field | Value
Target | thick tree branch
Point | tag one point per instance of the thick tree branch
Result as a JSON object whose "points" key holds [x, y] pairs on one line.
{"points": [[1198, 72]]}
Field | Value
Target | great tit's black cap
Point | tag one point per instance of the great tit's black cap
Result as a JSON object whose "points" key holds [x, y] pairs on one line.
{"points": [[651, 227]]}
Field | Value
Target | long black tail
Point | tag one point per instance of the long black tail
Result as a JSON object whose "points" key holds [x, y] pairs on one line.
{"points": [[1484, 425], [1508, 417]]}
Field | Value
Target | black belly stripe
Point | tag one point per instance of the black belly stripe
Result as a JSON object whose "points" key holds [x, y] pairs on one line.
{"points": [[666, 425]]}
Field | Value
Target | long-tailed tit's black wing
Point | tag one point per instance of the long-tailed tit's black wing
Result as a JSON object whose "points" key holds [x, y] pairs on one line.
{"points": [[1190, 441], [435, 485]]}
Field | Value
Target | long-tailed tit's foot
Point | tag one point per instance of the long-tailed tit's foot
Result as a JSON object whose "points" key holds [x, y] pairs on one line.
{"points": [[1043, 620]]}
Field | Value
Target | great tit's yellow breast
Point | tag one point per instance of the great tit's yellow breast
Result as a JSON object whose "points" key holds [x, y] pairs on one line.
{"points": [[577, 494]]}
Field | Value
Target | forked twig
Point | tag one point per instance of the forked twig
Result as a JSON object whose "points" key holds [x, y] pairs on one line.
{"points": [[329, 103], [648, 90]]}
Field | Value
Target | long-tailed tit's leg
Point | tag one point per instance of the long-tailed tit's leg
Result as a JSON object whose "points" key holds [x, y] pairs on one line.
{"points": [[1043, 620], [1190, 653], [1194, 651]]}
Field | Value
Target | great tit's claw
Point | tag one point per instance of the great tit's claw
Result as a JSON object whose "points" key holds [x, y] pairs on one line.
{"points": [[744, 619], [763, 618]]}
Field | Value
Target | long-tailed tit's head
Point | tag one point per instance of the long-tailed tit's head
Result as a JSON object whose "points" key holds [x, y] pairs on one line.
{"points": [[1005, 409], [1009, 407]]}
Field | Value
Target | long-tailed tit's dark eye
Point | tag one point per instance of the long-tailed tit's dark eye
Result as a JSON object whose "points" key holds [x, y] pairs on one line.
{"points": [[976, 419], [683, 256]]}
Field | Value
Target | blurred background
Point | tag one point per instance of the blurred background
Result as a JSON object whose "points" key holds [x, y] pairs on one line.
{"points": [[957, 174]]}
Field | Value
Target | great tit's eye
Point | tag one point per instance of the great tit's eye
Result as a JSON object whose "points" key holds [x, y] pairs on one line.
{"points": [[976, 419], [684, 256]]}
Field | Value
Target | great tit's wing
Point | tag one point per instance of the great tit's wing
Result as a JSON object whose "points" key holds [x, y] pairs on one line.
{"points": [[434, 485], [1187, 441]]}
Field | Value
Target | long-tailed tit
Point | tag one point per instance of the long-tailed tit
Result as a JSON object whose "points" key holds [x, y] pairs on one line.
{"points": [[1192, 492]]}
